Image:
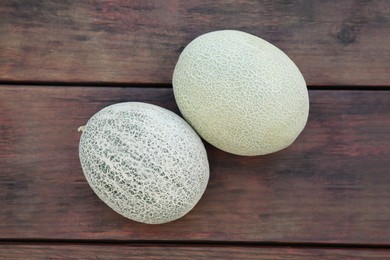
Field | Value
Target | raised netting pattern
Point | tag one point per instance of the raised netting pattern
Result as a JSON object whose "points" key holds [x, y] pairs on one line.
{"points": [[144, 161], [240, 93]]}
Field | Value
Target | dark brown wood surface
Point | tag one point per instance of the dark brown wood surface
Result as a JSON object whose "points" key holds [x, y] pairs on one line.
{"points": [[332, 42], [330, 186], [327, 196], [180, 252]]}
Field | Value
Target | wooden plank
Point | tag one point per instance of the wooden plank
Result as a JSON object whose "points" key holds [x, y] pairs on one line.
{"points": [[332, 42], [331, 185], [104, 251]]}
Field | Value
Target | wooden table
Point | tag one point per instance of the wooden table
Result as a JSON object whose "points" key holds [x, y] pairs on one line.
{"points": [[327, 196]]}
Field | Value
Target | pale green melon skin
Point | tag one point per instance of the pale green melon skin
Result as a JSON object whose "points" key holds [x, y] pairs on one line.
{"points": [[143, 161], [241, 93]]}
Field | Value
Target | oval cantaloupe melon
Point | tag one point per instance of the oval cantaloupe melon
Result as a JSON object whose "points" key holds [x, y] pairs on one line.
{"points": [[144, 161], [240, 93]]}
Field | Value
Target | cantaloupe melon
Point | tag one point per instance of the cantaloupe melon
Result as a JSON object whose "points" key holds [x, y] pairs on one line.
{"points": [[240, 93], [144, 161]]}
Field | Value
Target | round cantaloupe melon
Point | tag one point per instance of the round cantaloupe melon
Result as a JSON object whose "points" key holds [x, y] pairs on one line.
{"points": [[144, 161], [240, 93]]}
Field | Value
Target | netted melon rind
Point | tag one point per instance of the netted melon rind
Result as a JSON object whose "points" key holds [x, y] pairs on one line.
{"points": [[144, 161], [240, 93]]}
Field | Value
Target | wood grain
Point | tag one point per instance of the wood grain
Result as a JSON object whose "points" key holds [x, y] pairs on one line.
{"points": [[331, 185], [91, 251], [332, 42]]}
